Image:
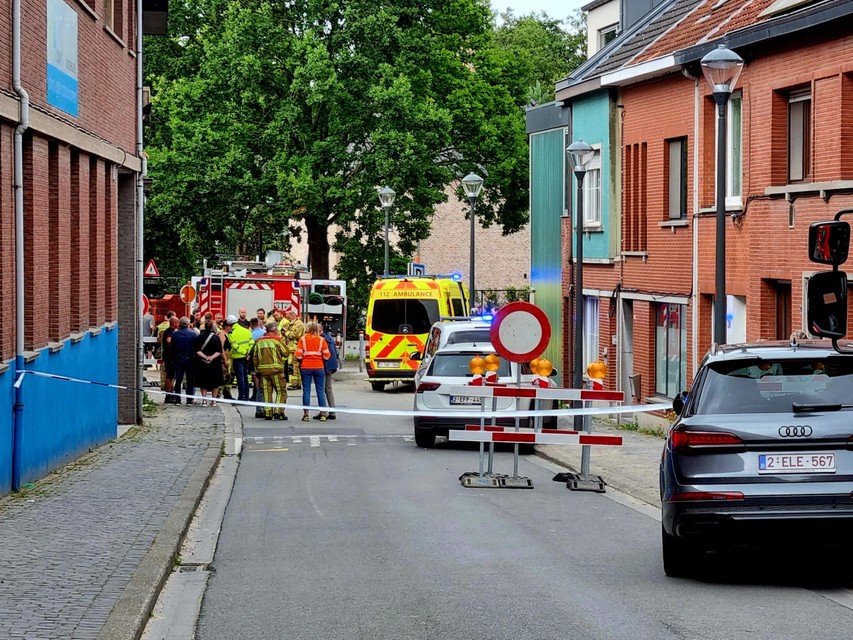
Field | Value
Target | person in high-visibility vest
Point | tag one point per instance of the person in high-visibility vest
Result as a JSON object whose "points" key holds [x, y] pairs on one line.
{"points": [[312, 352], [241, 343], [269, 355]]}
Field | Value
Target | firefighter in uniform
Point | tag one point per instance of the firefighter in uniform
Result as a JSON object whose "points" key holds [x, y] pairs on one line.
{"points": [[270, 356], [292, 334]]}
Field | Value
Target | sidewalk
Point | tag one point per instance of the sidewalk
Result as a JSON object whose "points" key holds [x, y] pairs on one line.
{"points": [[632, 468], [86, 550]]}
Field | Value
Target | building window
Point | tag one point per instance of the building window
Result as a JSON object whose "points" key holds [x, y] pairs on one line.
{"points": [[670, 350], [108, 13], [734, 150], [783, 310], [607, 34], [677, 184], [799, 135], [592, 192], [590, 329]]}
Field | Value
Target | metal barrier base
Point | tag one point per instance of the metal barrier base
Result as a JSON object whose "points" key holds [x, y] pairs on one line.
{"points": [[473, 479], [576, 482]]}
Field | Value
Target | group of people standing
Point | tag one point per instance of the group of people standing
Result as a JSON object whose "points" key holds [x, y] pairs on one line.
{"points": [[277, 349]]}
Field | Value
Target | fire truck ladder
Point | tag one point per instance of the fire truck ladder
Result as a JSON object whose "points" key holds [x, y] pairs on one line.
{"points": [[216, 283]]}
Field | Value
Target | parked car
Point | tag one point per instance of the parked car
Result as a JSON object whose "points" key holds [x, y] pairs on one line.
{"points": [[761, 452], [474, 331], [449, 366]]}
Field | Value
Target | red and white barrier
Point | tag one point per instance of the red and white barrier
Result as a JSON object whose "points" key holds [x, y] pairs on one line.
{"points": [[537, 393], [492, 433]]}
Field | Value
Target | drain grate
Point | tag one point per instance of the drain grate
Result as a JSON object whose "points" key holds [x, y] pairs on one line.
{"points": [[187, 568]]}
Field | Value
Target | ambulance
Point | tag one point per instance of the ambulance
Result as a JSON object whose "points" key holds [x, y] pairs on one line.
{"points": [[400, 312]]}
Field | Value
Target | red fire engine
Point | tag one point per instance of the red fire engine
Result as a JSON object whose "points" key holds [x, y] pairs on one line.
{"points": [[222, 290]]}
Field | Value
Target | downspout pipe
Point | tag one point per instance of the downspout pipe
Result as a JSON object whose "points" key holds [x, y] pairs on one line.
{"points": [[18, 188], [140, 202]]}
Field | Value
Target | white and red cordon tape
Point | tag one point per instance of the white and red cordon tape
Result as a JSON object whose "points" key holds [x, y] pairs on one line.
{"points": [[471, 413]]}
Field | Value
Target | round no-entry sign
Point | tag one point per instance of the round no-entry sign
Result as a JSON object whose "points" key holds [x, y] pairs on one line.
{"points": [[145, 304], [187, 293], [520, 332]]}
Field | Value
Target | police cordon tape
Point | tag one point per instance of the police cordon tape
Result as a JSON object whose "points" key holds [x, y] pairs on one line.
{"points": [[473, 413]]}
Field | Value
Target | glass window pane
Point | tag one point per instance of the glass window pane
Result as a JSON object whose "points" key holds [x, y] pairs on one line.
{"points": [[796, 113], [735, 154]]}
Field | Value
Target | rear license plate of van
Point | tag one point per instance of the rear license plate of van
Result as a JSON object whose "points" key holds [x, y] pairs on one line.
{"points": [[796, 463]]}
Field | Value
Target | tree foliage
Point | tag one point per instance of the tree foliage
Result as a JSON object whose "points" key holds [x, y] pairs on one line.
{"points": [[274, 119]]}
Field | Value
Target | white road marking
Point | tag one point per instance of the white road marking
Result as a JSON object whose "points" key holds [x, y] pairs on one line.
{"points": [[314, 440]]}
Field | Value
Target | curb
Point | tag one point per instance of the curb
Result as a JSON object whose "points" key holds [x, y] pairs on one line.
{"points": [[132, 611]]}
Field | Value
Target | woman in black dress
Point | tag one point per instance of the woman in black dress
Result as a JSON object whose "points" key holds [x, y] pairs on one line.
{"points": [[208, 369]]}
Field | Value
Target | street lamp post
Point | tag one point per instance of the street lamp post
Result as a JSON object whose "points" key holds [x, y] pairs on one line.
{"points": [[722, 68], [386, 199], [472, 183]]}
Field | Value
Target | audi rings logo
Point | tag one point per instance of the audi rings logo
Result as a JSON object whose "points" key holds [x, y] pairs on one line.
{"points": [[795, 431]]}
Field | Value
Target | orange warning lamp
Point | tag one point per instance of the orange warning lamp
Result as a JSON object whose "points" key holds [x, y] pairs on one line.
{"points": [[492, 362], [534, 365], [543, 368], [477, 365], [597, 370]]}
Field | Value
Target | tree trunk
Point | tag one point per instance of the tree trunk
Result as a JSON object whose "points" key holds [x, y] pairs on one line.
{"points": [[318, 247]]}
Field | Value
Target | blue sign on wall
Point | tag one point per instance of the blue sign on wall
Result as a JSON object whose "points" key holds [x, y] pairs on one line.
{"points": [[62, 56]]}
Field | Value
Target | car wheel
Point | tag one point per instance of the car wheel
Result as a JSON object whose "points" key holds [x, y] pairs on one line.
{"points": [[377, 386], [678, 556], [425, 438]]}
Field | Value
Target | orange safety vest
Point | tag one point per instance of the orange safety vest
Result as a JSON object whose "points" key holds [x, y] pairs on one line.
{"points": [[312, 356]]}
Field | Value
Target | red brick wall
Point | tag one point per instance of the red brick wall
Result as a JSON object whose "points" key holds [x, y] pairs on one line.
{"points": [[36, 242], [60, 266], [79, 315], [106, 72], [97, 238], [7, 238]]}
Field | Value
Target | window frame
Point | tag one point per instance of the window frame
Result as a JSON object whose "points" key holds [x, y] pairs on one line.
{"points": [[607, 34], [734, 150], [799, 100], [592, 201], [680, 178], [591, 329], [664, 368]]}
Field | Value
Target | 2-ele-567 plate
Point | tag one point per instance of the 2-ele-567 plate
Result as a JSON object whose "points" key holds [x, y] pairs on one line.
{"points": [[796, 463]]}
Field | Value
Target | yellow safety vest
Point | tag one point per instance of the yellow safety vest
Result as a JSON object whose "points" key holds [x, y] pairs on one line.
{"points": [[241, 341]]}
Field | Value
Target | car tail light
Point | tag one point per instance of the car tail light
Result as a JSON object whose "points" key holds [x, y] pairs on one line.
{"points": [[705, 440], [427, 386], [690, 496], [850, 442]]}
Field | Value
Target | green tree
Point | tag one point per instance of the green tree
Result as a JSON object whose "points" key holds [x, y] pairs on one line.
{"points": [[278, 114], [546, 49]]}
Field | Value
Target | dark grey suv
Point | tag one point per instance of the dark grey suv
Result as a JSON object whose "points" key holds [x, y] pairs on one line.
{"points": [[763, 447]]}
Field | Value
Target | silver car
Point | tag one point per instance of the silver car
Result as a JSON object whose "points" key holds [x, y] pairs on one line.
{"points": [[449, 366], [762, 447]]}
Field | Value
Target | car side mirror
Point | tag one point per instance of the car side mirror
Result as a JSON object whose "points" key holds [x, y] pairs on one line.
{"points": [[415, 356], [553, 373], [827, 305], [678, 403], [829, 242]]}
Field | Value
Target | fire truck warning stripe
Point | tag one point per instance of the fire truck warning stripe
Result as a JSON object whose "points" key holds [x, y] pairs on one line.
{"points": [[472, 413]]}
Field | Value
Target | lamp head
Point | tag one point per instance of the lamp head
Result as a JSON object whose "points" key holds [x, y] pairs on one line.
{"points": [[722, 68], [472, 183], [580, 154], [386, 196]]}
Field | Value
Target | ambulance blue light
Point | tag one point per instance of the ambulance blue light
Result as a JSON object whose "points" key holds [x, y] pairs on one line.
{"points": [[456, 276], [487, 318]]}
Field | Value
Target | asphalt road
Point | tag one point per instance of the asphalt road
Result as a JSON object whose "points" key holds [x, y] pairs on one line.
{"points": [[346, 529]]}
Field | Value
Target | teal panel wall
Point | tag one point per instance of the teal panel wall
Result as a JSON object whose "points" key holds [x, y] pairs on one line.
{"points": [[591, 122], [547, 204]]}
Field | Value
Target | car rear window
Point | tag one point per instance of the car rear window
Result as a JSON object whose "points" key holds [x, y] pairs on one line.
{"points": [[404, 316], [472, 335], [772, 386], [456, 364]]}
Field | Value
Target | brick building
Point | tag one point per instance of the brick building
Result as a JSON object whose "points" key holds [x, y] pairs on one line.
{"points": [[69, 169], [643, 103]]}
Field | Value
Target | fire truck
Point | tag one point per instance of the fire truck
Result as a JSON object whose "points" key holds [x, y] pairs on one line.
{"points": [[225, 288]]}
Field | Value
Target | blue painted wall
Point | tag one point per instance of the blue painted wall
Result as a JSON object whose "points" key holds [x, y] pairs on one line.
{"points": [[61, 420], [591, 123], [7, 403]]}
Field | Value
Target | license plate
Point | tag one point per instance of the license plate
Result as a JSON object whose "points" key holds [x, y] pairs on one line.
{"points": [[465, 400], [388, 364], [796, 463]]}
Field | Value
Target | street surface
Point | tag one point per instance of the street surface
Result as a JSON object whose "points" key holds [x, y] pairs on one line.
{"points": [[346, 529]]}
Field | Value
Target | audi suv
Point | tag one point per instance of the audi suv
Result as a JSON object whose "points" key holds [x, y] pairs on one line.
{"points": [[762, 447]]}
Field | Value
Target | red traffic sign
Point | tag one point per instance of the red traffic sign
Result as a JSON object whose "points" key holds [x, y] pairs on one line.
{"points": [[187, 293], [151, 269], [520, 332], [145, 304]]}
